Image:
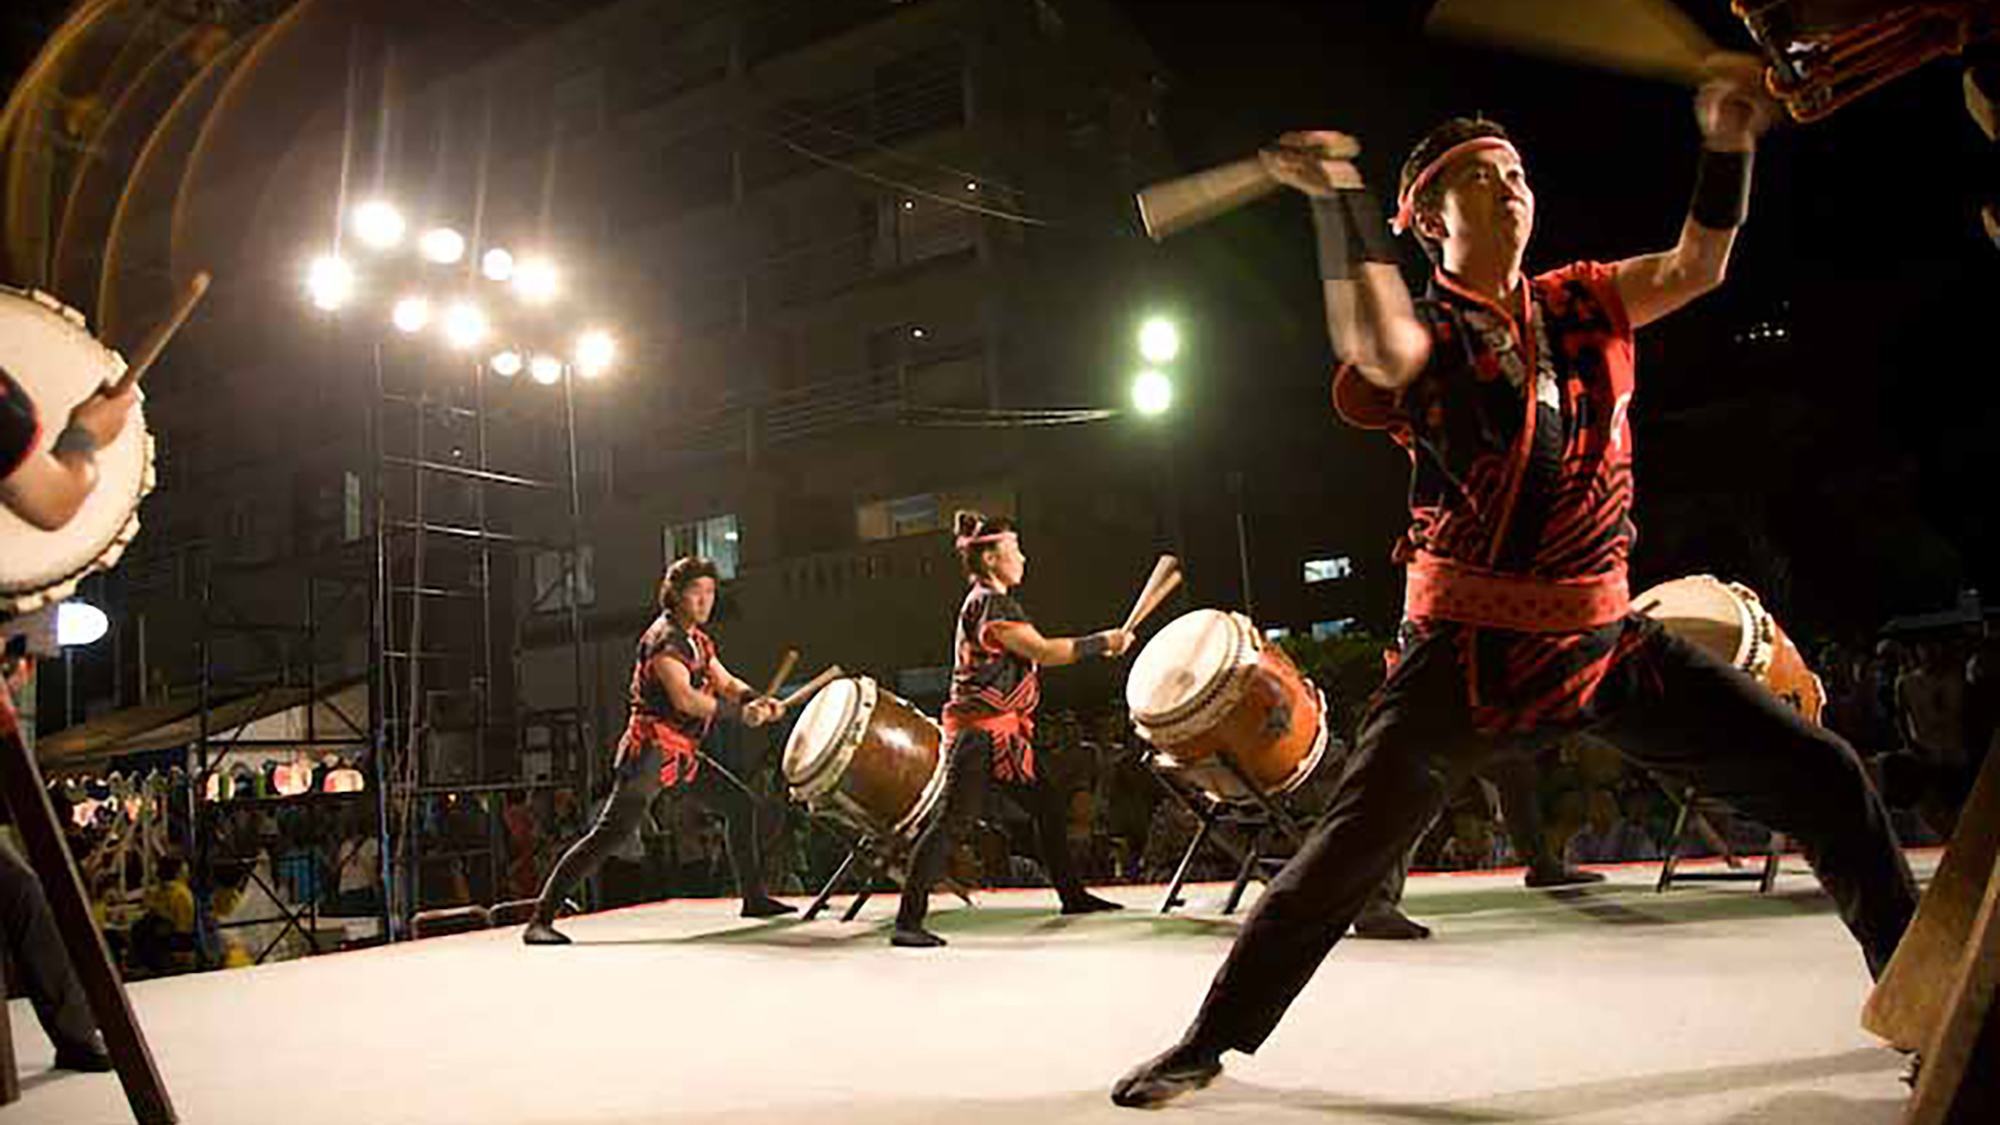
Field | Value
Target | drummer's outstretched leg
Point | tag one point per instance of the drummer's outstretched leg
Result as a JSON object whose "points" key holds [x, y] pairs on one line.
{"points": [[1387, 798], [738, 810], [638, 783], [968, 763], [1050, 815]]}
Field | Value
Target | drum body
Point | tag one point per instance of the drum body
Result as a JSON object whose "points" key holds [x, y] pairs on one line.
{"points": [[1208, 686], [866, 757], [1729, 622], [1824, 54], [47, 350]]}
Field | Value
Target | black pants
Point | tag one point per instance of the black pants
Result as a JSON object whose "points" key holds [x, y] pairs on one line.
{"points": [[1668, 707], [638, 782], [41, 964], [968, 771]]}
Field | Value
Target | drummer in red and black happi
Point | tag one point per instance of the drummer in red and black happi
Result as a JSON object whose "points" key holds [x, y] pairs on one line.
{"points": [[680, 688], [989, 722], [1512, 394]]}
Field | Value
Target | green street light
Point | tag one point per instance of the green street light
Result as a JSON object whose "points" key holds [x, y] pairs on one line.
{"points": [[1159, 340], [1152, 393]]}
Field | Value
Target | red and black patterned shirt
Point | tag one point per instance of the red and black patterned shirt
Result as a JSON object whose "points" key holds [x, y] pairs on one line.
{"points": [[989, 682], [1521, 455], [20, 426], [655, 721]]}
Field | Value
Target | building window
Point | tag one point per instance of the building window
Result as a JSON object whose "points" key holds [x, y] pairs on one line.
{"points": [[904, 515], [350, 507], [1328, 630], [558, 585], [716, 539], [1329, 570]]}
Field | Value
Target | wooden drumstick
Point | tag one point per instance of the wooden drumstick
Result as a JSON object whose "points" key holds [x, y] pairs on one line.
{"points": [[156, 340], [1644, 38], [1172, 206], [784, 669], [831, 674], [1166, 575]]}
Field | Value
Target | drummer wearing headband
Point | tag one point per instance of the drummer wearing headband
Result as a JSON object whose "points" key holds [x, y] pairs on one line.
{"points": [[989, 722], [679, 690], [1510, 391], [46, 487]]}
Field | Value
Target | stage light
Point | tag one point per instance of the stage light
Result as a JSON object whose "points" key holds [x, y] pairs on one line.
{"points": [[536, 281], [507, 364], [330, 282], [80, 623], [442, 245], [595, 352], [1152, 393], [546, 369], [1159, 340], [464, 325], [411, 314], [496, 264], [378, 224]]}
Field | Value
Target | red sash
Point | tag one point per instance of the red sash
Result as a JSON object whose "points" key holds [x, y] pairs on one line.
{"points": [[1442, 589]]}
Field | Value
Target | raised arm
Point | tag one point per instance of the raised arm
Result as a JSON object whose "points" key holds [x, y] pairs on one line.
{"points": [[1733, 112], [1369, 316]]}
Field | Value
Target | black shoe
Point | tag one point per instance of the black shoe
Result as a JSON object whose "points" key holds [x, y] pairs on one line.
{"points": [[767, 908], [1389, 924], [542, 933], [90, 1058], [1561, 877], [915, 939], [1179, 1070], [1087, 903]]}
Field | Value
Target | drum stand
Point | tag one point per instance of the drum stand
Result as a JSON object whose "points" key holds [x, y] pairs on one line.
{"points": [[1690, 802], [48, 854], [870, 858], [1265, 821]]}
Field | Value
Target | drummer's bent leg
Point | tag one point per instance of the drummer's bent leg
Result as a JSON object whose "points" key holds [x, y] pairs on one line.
{"points": [[638, 783], [1672, 708], [740, 825], [968, 764]]}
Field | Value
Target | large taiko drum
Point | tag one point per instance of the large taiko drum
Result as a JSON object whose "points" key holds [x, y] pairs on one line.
{"points": [[1207, 691], [1823, 54], [866, 757], [1729, 622], [54, 358]]}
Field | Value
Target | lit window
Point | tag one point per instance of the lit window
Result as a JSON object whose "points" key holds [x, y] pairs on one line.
{"points": [[1327, 630], [1277, 633], [1329, 570], [904, 515], [717, 539]]}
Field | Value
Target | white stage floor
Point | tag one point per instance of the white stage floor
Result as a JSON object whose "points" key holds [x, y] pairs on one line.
{"points": [[1608, 1006]]}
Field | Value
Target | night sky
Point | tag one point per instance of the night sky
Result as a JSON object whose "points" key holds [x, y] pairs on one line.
{"points": [[1863, 243]]}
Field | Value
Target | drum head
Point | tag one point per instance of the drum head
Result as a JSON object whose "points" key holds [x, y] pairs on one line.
{"points": [[1182, 664], [1705, 612], [816, 737], [48, 352]]}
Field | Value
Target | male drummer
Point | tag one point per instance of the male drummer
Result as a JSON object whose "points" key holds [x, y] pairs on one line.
{"points": [[45, 488], [679, 689], [989, 721], [1510, 391]]}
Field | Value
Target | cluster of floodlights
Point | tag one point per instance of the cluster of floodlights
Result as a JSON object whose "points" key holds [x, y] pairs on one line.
{"points": [[1152, 388], [463, 322]]}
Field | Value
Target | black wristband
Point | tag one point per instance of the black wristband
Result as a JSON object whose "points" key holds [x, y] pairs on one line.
{"points": [[728, 710], [74, 439], [1721, 189], [1351, 233], [1364, 220], [1096, 644]]}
